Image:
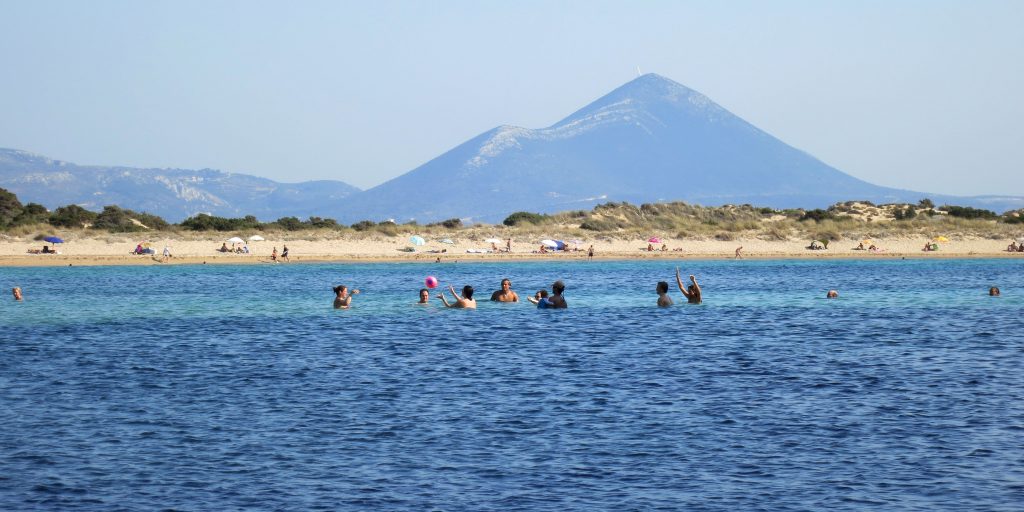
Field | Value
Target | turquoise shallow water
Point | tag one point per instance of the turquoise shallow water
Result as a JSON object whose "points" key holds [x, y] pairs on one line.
{"points": [[221, 388]]}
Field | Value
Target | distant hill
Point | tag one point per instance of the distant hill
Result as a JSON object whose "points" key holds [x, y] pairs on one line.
{"points": [[650, 140], [170, 193]]}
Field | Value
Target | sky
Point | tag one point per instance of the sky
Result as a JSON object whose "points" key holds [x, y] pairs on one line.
{"points": [[922, 95]]}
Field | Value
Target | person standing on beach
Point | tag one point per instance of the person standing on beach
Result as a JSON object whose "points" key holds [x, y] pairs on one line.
{"points": [[505, 294], [738, 256], [692, 291], [557, 299], [273, 255], [590, 252], [464, 302], [664, 300], [17, 294], [284, 254], [342, 299], [508, 245]]}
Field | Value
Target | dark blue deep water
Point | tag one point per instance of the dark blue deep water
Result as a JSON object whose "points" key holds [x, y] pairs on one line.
{"points": [[240, 388]]}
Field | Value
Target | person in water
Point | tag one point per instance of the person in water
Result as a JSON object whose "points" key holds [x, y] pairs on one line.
{"points": [[342, 299], [505, 294], [464, 302], [664, 300], [557, 298], [832, 294], [424, 296], [692, 291], [17, 294], [992, 292], [540, 299]]}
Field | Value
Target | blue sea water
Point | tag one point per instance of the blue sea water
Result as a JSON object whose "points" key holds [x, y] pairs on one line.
{"points": [[241, 388]]}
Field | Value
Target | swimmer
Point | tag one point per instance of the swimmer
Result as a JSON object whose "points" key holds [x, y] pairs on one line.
{"points": [[464, 302], [992, 292], [832, 294], [17, 294], [556, 299], [424, 296], [692, 291], [664, 300], [540, 299], [342, 299], [505, 294]]}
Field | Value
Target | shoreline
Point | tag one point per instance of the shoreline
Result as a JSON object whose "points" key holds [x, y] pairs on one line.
{"points": [[109, 250], [63, 260]]}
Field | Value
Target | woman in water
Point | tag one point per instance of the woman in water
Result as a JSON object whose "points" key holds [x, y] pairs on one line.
{"points": [[342, 299], [464, 302], [664, 300], [692, 291]]}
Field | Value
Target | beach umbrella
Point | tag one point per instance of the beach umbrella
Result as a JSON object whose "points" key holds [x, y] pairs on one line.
{"points": [[941, 239], [236, 240], [417, 240], [54, 240], [492, 241], [654, 240], [447, 241], [256, 238], [560, 245], [549, 243]]}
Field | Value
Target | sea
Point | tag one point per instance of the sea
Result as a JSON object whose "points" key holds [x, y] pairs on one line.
{"points": [[218, 388]]}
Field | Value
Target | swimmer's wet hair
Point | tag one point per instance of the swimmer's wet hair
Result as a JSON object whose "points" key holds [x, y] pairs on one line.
{"points": [[558, 287], [467, 291], [339, 288]]}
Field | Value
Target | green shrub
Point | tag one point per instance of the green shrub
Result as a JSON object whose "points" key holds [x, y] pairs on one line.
{"points": [[363, 225], [10, 207], [71, 216], [204, 222], [966, 212], [519, 218]]}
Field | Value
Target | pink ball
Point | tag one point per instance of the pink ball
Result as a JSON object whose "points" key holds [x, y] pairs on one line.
{"points": [[431, 282]]}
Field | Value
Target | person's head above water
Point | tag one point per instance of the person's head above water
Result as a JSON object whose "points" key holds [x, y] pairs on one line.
{"points": [[16, 292], [662, 287], [558, 287], [338, 290], [993, 291], [467, 291], [542, 294], [424, 295], [506, 284], [832, 294]]}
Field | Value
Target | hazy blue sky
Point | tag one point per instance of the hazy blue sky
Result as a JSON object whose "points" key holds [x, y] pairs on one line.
{"points": [[925, 95]]}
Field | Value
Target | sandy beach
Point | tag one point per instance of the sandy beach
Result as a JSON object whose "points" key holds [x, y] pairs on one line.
{"points": [[115, 250]]}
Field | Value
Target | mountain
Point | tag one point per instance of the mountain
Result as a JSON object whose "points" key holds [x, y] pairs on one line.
{"points": [[173, 194], [650, 140]]}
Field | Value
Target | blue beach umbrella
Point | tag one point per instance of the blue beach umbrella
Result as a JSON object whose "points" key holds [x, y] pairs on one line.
{"points": [[417, 240], [54, 240]]}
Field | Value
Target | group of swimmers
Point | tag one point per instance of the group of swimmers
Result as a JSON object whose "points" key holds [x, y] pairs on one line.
{"points": [[542, 299]]}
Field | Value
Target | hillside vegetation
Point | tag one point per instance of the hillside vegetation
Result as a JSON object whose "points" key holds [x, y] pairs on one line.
{"points": [[848, 220]]}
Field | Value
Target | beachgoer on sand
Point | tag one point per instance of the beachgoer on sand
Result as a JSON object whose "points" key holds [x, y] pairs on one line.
{"points": [[590, 253], [466, 301], [273, 255], [284, 254], [738, 255]]}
